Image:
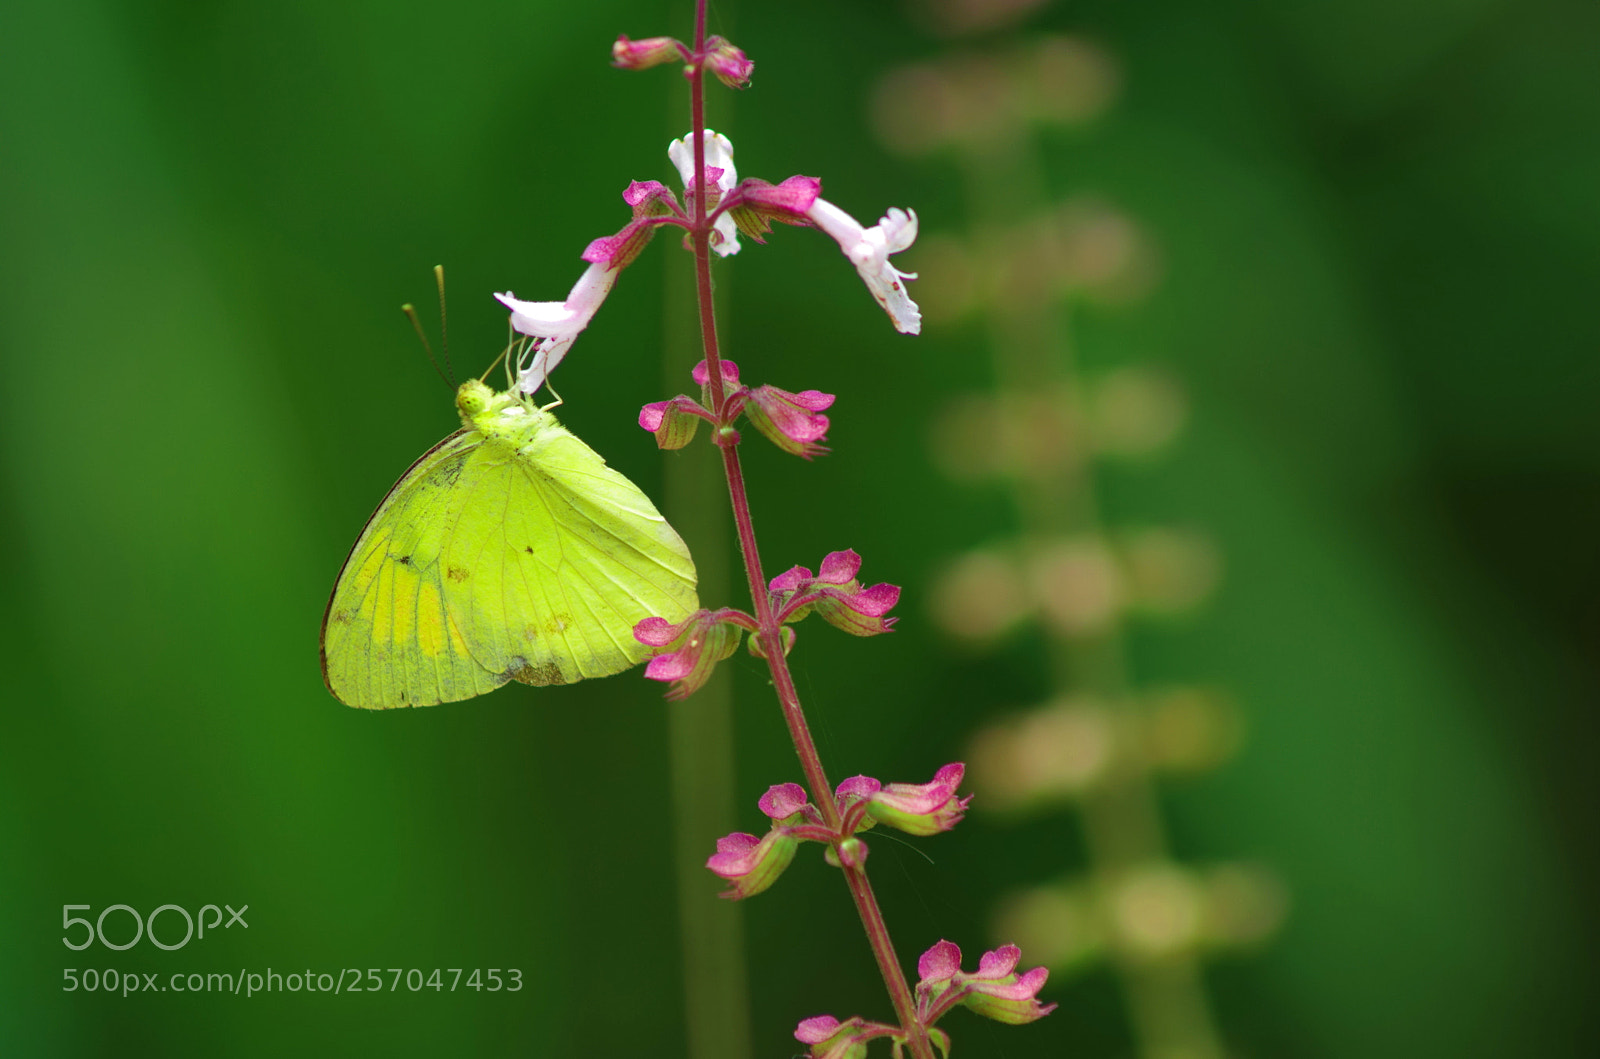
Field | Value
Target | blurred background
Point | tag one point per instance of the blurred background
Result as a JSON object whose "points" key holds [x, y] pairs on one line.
{"points": [[1242, 485]]}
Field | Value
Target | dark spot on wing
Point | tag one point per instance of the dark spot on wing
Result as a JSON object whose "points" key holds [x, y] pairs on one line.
{"points": [[528, 548], [340, 617], [541, 675], [457, 573], [404, 560], [446, 475]]}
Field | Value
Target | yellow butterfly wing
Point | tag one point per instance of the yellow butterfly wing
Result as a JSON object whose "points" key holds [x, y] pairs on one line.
{"points": [[568, 557], [513, 556]]}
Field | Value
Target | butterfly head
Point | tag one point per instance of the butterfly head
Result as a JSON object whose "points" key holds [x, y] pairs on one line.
{"points": [[494, 414]]}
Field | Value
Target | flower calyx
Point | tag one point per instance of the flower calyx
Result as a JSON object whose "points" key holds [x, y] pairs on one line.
{"points": [[915, 808], [689, 651], [727, 62], [922, 808], [756, 204], [792, 421], [674, 422], [836, 595], [642, 54], [752, 864], [994, 990], [831, 1039]]}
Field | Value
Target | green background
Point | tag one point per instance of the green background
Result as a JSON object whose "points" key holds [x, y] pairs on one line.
{"points": [[1381, 237]]}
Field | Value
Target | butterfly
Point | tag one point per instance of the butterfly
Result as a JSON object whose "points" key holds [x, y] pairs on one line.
{"points": [[508, 551]]}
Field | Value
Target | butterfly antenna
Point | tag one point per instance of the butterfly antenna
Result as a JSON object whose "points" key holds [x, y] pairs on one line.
{"points": [[416, 325], [444, 318], [502, 355]]}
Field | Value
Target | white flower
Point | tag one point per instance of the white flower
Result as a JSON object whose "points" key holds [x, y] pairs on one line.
{"points": [[719, 153], [868, 250], [556, 325]]}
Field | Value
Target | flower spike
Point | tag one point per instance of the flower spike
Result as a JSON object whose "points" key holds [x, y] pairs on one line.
{"points": [[869, 249]]}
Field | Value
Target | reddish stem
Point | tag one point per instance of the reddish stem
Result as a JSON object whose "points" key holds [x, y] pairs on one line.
{"points": [[770, 629]]}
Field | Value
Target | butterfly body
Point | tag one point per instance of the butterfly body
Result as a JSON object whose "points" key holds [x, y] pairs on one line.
{"points": [[508, 551]]}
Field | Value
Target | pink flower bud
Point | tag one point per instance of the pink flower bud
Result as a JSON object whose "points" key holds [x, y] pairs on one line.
{"points": [[728, 63], [651, 201], [783, 801], [922, 808], [643, 54], [790, 421], [786, 635], [651, 198], [730, 384], [752, 864], [831, 1039], [673, 422], [994, 991], [855, 799], [697, 644], [836, 596], [730, 373], [789, 581], [851, 853]]}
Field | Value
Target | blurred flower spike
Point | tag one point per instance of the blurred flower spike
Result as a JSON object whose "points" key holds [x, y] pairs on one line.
{"points": [[994, 990], [642, 54], [691, 649], [836, 595], [831, 1039]]}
